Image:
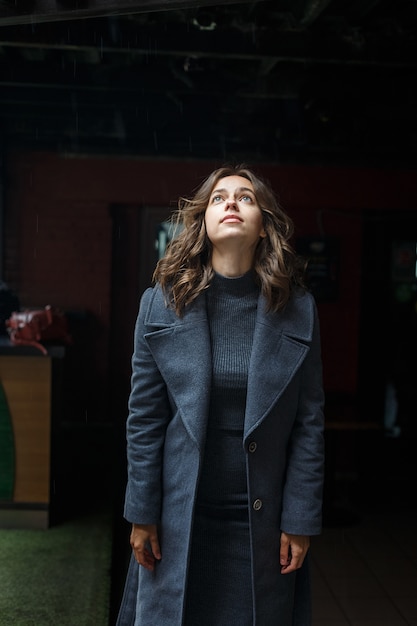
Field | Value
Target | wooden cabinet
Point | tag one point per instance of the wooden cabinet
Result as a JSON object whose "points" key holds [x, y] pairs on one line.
{"points": [[27, 382]]}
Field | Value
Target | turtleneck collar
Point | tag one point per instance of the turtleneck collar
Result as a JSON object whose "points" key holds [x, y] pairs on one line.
{"points": [[237, 286]]}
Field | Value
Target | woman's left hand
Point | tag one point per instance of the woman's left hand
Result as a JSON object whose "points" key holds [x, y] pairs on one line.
{"points": [[293, 551]]}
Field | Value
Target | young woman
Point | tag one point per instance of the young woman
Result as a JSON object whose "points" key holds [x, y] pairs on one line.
{"points": [[225, 426]]}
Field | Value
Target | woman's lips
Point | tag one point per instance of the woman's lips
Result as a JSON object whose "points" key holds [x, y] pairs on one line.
{"points": [[231, 218]]}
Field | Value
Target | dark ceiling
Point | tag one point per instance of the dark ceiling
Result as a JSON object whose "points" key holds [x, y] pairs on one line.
{"points": [[323, 81]]}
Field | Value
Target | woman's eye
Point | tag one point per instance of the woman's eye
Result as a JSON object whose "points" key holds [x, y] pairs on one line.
{"points": [[217, 198], [246, 199]]}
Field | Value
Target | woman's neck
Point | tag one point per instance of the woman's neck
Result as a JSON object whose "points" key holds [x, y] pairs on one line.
{"points": [[231, 265]]}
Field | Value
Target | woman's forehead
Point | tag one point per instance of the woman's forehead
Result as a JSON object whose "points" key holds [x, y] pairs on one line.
{"points": [[233, 182]]}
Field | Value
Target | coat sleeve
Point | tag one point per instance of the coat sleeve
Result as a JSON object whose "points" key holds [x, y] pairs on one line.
{"points": [[149, 414], [303, 487]]}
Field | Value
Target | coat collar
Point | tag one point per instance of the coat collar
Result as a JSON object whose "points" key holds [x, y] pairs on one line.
{"points": [[181, 348], [280, 344]]}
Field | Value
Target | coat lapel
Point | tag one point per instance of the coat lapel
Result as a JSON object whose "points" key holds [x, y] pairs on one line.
{"points": [[279, 347], [181, 348]]}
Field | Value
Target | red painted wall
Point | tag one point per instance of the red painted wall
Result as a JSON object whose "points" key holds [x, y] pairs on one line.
{"points": [[58, 232]]}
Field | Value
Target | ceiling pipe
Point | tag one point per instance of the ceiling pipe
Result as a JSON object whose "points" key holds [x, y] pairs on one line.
{"points": [[312, 10], [268, 61], [55, 11]]}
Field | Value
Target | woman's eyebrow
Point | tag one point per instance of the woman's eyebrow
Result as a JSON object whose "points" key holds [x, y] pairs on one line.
{"points": [[218, 191], [237, 191], [245, 189]]}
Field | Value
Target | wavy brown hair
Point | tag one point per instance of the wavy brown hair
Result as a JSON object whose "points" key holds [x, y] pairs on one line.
{"points": [[186, 269]]}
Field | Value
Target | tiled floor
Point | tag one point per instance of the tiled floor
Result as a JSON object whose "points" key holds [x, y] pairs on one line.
{"points": [[364, 569], [366, 574]]}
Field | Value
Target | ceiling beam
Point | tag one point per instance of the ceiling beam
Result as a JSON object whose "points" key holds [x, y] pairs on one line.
{"points": [[13, 12]]}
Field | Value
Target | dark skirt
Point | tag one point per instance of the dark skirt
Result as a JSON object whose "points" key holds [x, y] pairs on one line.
{"points": [[219, 590]]}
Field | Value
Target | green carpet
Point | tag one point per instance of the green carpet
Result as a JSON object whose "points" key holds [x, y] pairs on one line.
{"points": [[59, 576]]}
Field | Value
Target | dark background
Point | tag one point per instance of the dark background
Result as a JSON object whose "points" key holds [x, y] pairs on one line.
{"points": [[313, 80], [109, 111]]}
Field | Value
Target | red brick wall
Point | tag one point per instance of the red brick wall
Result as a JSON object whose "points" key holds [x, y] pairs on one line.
{"points": [[58, 232]]}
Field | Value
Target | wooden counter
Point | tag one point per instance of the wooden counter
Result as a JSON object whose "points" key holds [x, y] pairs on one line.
{"points": [[26, 380]]}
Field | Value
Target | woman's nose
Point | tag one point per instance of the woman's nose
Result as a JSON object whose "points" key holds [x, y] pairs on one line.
{"points": [[231, 202]]}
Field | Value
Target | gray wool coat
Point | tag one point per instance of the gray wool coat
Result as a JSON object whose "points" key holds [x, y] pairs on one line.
{"points": [[283, 442]]}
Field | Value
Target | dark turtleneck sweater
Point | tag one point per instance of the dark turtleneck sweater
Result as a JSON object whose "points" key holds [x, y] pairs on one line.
{"points": [[231, 307], [219, 588]]}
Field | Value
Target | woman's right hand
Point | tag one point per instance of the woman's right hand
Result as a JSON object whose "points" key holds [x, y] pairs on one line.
{"points": [[145, 545]]}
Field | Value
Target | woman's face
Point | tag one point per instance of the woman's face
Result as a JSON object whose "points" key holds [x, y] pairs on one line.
{"points": [[233, 217]]}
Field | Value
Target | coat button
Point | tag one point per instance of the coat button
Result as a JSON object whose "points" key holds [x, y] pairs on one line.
{"points": [[257, 505], [252, 446]]}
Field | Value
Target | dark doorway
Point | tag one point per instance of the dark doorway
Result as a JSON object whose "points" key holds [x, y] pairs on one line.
{"points": [[388, 352], [388, 341], [134, 256]]}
